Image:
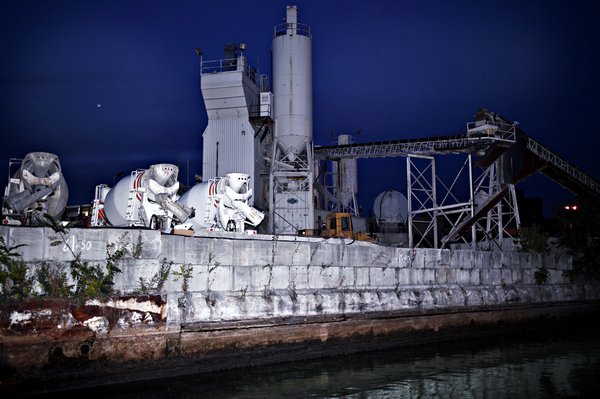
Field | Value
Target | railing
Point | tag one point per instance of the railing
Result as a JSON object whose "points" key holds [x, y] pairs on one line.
{"points": [[261, 110], [478, 137], [554, 159], [292, 29], [428, 146], [236, 65], [351, 140], [502, 131], [218, 66], [263, 83]]}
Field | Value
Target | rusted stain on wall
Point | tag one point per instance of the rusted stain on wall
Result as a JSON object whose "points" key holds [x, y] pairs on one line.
{"points": [[30, 354], [48, 337]]}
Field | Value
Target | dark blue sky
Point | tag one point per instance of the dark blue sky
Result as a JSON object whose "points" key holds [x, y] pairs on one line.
{"points": [[111, 86]]}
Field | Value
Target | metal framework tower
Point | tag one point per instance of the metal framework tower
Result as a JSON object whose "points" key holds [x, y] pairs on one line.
{"points": [[440, 213], [291, 205], [481, 221]]}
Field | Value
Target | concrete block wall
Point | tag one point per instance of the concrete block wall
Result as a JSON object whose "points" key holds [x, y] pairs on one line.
{"points": [[236, 276]]}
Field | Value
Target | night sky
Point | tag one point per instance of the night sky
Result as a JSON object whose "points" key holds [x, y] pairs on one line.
{"points": [[112, 86]]}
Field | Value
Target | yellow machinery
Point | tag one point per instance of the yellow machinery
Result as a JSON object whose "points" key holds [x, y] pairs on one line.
{"points": [[338, 225]]}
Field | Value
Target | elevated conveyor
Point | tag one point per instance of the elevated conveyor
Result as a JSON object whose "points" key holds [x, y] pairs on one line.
{"points": [[560, 170], [533, 157], [493, 140], [452, 144]]}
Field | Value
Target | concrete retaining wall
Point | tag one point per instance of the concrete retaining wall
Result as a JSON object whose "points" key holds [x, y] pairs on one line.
{"points": [[237, 277], [261, 299]]}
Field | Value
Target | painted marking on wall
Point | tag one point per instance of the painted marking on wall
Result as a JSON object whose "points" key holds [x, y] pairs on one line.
{"points": [[76, 245]]}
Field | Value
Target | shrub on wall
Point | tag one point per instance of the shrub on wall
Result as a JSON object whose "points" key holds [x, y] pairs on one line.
{"points": [[532, 240]]}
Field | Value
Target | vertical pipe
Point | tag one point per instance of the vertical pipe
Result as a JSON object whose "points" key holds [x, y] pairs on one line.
{"points": [[217, 171], [310, 218], [435, 204], [491, 190], [500, 224], [473, 231], [272, 193], [409, 192]]}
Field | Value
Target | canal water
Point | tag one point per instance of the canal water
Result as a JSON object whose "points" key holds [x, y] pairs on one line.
{"points": [[560, 363]]}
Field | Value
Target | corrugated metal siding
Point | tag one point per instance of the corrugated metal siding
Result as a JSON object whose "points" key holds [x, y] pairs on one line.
{"points": [[227, 98], [236, 150]]}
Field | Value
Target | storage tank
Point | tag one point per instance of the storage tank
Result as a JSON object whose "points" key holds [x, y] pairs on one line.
{"points": [[292, 84], [391, 207], [348, 175], [222, 204], [38, 186]]}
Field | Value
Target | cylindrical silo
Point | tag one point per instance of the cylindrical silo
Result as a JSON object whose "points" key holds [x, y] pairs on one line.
{"points": [[348, 174], [292, 84]]}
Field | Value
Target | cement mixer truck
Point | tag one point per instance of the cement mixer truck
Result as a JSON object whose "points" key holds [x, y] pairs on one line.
{"points": [[222, 204], [146, 198], [37, 188]]}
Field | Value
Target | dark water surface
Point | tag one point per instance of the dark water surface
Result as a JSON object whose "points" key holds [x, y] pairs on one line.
{"points": [[552, 364]]}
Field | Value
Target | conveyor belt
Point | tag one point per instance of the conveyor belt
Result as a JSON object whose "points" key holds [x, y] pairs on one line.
{"points": [[461, 143], [562, 171], [490, 138], [488, 147]]}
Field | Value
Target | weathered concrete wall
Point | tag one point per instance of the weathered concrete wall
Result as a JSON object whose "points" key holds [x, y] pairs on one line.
{"points": [[270, 298], [236, 276]]}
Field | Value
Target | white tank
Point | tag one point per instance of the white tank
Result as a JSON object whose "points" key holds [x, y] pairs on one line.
{"points": [[145, 198], [198, 197], [115, 201], [391, 207], [222, 204], [292, 84]]}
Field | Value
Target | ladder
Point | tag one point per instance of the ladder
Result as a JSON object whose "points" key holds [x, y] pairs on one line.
{"points": [[136, 196], [210, 198], [98, 218]]}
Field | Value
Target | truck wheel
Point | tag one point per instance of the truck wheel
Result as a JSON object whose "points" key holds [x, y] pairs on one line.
{"points": [[231, 225], [153, 223]]}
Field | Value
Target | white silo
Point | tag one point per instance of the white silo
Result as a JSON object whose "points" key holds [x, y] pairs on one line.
{"points": [[291, 203], [292, 84], [348, 178]]}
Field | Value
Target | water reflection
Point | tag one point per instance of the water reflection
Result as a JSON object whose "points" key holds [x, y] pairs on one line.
{"points": [[557, 365]]}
